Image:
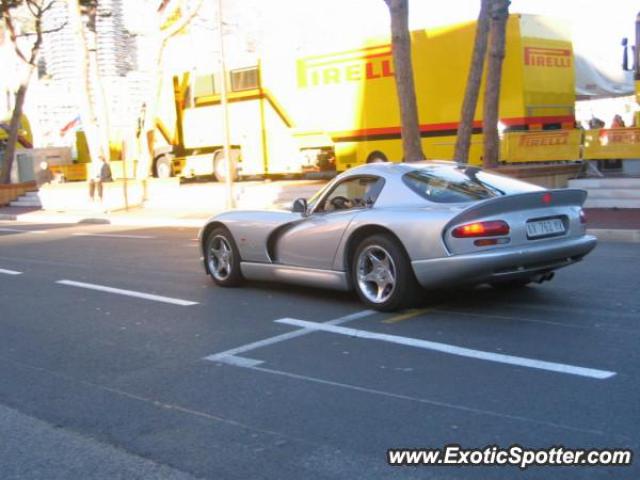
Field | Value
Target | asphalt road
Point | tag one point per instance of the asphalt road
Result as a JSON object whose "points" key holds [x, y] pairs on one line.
{"points": [[103, 384]]}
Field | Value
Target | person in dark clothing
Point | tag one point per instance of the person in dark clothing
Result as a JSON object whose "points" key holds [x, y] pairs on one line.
{"points": [[44, 175], [100, 175]]}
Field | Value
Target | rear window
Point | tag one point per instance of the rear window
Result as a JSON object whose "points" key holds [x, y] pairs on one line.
{"points": [[454, 185]]}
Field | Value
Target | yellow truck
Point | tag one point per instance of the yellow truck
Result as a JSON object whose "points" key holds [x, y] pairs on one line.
{"points": [[335, 110], [25, 137]]}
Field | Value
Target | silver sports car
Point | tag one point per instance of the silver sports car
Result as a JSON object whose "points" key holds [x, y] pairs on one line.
{"points": [[389, 230]]}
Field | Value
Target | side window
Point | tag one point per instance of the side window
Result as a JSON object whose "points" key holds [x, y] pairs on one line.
{"points": [[204, 86], [359, 192], [244, 79]]}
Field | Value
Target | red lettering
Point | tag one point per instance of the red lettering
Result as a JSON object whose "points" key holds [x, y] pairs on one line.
{"points": [[386, 68], [546, 140], [371, 74]]}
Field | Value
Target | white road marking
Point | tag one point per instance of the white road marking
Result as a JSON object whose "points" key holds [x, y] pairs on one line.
{"points": [[18, 230], [239, 361], [453, 349], [111, 235], [223, 356], [9, 272], [128, 293], [436, 403]]}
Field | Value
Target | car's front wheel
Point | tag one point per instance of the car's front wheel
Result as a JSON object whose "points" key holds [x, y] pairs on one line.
{"points": [[223, 258], [382, 274]]}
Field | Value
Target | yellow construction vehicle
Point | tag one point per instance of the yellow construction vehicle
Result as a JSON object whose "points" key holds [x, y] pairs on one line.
{"points": [[335, 110]]}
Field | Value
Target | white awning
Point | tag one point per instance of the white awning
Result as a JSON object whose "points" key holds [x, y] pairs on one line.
{"points": [[596, 80]]}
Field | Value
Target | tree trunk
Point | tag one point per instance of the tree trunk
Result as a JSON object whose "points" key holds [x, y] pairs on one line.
{"points": [[14, 125], [146, 140], [88, 118], [99, 98], [474, 78], [165, 29], [499, 16], [401, 44]]}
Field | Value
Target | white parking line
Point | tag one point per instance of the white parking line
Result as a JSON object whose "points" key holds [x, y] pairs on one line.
{"points": [[230, 356], [111, 235], [425, 401], [18, 230], [9, 272], [453, 349], [128, 293]]}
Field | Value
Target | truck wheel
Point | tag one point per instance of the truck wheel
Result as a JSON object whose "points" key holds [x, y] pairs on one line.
{"points": [[220, 166], [164, 167], [377, 157]]}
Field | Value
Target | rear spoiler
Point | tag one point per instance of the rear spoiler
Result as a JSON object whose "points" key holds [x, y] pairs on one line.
{"points": [[521, 201]]}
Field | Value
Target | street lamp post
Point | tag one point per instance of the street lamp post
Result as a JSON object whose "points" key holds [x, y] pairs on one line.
{"points": [[225, 113]]}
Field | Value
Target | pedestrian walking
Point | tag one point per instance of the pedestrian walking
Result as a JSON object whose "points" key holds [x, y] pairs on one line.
{"points": [[101, 173]]}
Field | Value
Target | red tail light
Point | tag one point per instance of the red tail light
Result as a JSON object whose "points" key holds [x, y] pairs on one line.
{"points": [[583, 216], [481, 229]]}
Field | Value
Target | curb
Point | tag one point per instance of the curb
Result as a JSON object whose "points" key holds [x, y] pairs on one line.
{"points": [[65, 219], [615, 235]]}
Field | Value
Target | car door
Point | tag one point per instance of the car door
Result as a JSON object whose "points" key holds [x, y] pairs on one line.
{"points": [[312, 242]]}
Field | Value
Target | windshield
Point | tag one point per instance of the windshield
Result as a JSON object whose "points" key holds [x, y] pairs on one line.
{"points": [[466, 184]]}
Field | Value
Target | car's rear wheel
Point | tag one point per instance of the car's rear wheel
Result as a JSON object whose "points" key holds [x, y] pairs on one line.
{"points": [[223, 258], [382, 274]]}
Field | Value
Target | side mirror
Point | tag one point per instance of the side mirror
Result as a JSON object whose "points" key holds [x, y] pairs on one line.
{"points": [[300, 205], [625, 55]]}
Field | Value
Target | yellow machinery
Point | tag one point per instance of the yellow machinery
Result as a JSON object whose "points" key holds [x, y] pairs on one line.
{"points": [[340, 109], [351, 95], [25, 137]]}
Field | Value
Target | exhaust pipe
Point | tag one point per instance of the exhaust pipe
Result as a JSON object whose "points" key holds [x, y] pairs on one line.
{"points": [[545, 277]]}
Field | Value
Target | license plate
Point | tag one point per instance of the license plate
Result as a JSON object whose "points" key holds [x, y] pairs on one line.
{"points": [[544, 228]]}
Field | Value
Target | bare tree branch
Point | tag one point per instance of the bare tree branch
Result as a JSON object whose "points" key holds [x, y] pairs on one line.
{"points": [[181, 23], [37, 10]]}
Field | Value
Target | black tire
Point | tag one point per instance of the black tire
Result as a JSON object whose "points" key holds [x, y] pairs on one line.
{"points": [[163, 167], [406, 286], [230, 276], [377, 157], [220, 165], [511, 284]]}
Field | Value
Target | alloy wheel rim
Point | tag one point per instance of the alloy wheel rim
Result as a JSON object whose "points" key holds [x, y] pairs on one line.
{"points": [[220, 257], [376, 274]]}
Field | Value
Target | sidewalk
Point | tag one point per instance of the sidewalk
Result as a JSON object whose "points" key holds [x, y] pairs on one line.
{"points": [[171, 204], [136, 216], [621, 225], [614, 224]]}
